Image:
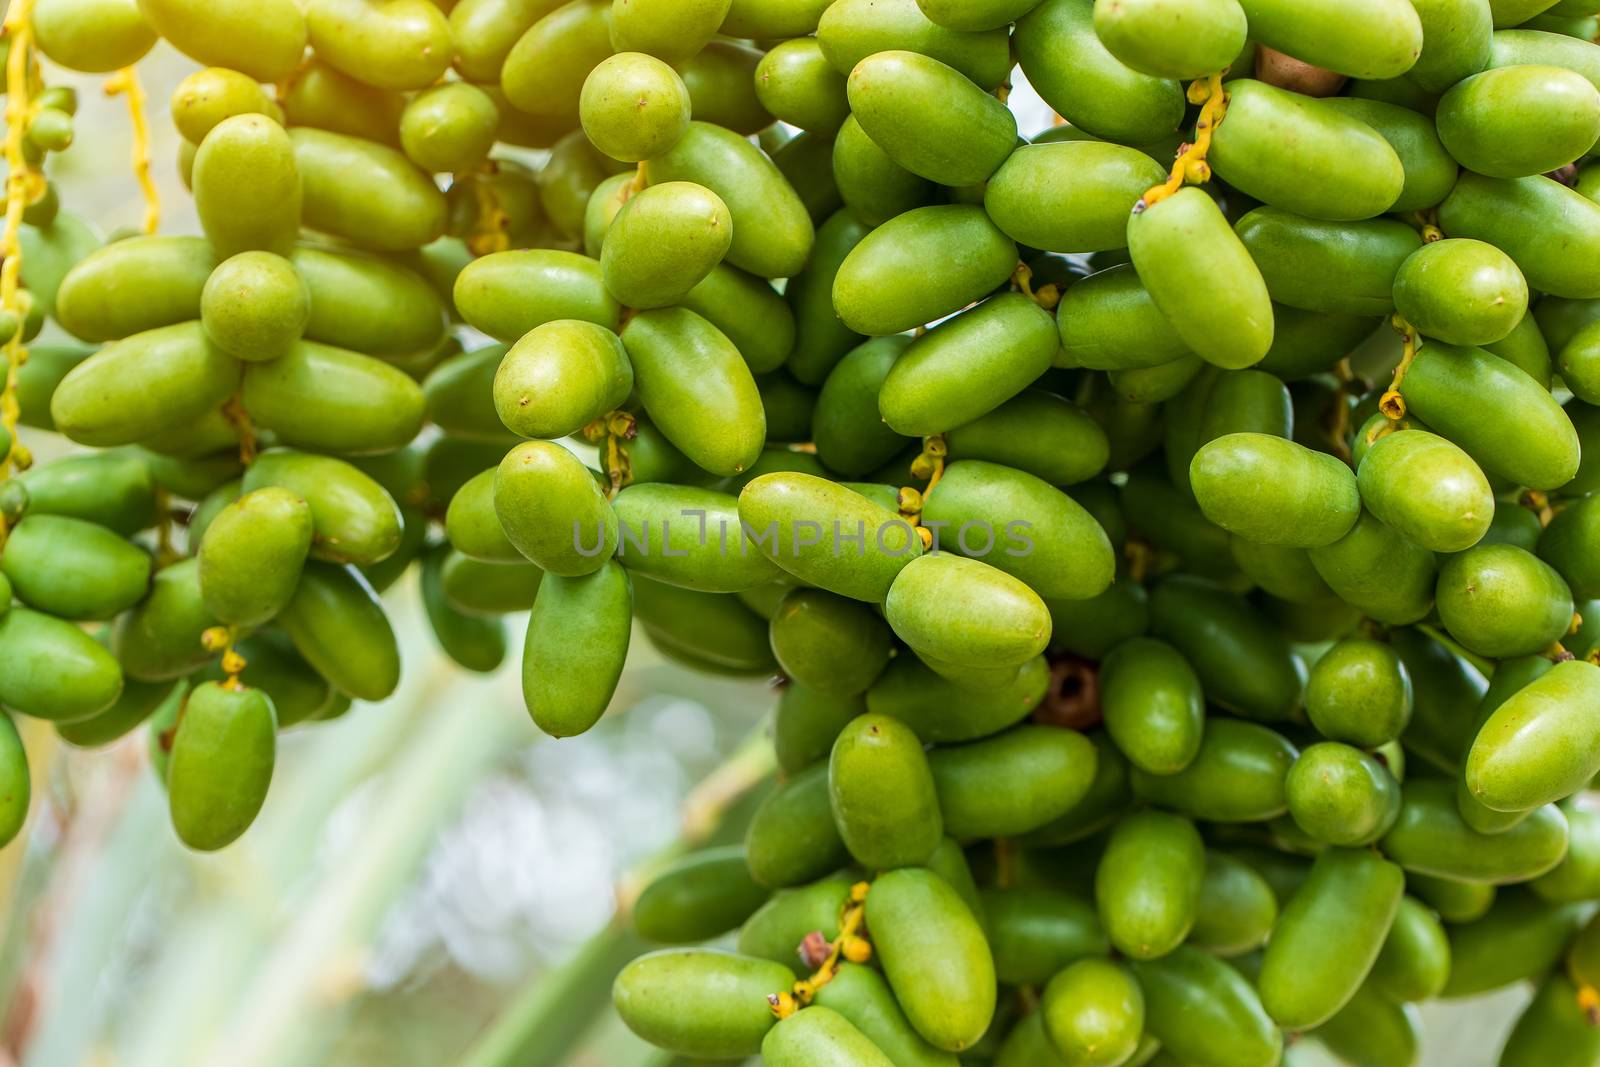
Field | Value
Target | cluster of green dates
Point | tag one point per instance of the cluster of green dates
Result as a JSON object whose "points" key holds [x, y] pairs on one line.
{"points": [[1178, 696]]}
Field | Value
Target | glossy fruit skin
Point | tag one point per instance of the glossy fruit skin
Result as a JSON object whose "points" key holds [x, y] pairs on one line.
{"points": [[835, 645], [1077, 75], [861, 995], [822, 1036], [1200, 1008], [1242, 662], [663, 242], [134, 285], [1231, 326], [181, 376], [700, 896], [1552, 1029], [1051, 770], [1461, 291], [882, 794], [1430, 837], [559, 377], [251, 556], [353, 519], [1515, 215], [1148, 883], [568, 683], [1022, 526], [1359, 692], [634, 107], [1357, 260], [876, 290], [1530, 752], [1153, 705], [1462, 392], [55, 670], [934, 955], [336, 169], [1307, 974], [338, 625], [1238, 908], [852, 30], [222, 759], [966, 367], [1340, 795], [776, 235], [73, 569], [1488, 121], [1427, 489], [247, 186], [1237, 775], [1263, 118], [1094, 1012], [1502, 601], [698, 1002], [264, 38], [691, 378], [1318, 504], [792, 838], [966, 613], [912, 106]]}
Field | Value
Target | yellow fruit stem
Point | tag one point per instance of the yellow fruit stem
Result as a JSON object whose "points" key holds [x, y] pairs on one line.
{"points": [[611, 432], [491, 231], [222, 639], [851, 945], [1427, 225], [126, 81], [166, 552], [1393, 404], [1046, 296], [20, 183], [1538, 502], [1191, 168], [1589, 1001], [239, 419], [929, 464]]}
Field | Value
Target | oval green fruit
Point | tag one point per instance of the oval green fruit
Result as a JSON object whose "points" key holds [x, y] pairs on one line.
{"points": [[1341, 795], [1148, 883], [1153, 705], [252, 554], [698, 897], [1369, 39], [53, 669], [772, 231], [663, 242], [1502, 601], [1216, 301], [882, 794], [930, 119], [965, 612], [935, 956], [73, 569], [1359, 692], [1518, 121], [337, 623], [561, 376], [699, 1002], [1237, 776], [1048, 770], [222, 758], [1093, 1013], [353, 519], [1427, 489]]}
